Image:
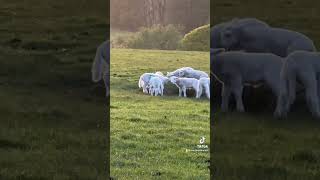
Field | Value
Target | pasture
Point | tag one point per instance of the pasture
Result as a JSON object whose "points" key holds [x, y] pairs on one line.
{"points": [[150, 135], [52, 116], [254, 145]]}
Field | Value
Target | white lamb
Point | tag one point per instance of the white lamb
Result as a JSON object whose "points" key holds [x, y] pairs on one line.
{"points": [[185, 83], [236, 69], [178, 71], [155, 86], [305, 67], [188, 73], [145, 79], [204, 83]]}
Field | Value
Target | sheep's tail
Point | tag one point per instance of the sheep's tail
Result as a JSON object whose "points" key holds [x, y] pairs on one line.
{"points": [[97, 66]]}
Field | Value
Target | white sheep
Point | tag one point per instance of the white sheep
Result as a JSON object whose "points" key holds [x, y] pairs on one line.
{"points": [[305, 67], [155, 86], [204, 83], [178, 71], [145, 79], [185, 83], [101, 65], [235, 69], [188, 73]]}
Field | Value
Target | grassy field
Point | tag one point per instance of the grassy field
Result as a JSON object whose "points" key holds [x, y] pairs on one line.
{"points": [[150, 135], [52, 116], [253, 145]]}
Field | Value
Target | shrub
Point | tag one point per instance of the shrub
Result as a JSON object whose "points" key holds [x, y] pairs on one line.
{"points": [[156, 37], [197, 39]]}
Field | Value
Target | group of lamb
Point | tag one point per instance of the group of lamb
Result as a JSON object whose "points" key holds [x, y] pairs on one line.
{"points": [[249, 52], [184, 78]]}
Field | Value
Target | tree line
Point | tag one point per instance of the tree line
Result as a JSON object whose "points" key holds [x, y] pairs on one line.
{"points": [[131, 15]]}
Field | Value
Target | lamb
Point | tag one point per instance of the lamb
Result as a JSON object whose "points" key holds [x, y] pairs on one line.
{"points": [[193, 74], [188, 73], [178, 71], [144, 81], [155, 86], [185, 83], [305, 67], [145, 78], [235, 69], [100, 66], [204, 83]]}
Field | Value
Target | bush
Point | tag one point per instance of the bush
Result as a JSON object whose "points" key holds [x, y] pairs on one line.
{"points": [[157, 37], [197, 39]]}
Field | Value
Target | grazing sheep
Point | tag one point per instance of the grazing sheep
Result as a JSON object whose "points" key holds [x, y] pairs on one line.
{"points": [[185, 83], [305, 67], [215, 32], [101, 64], [193, 74], [155, 86], [265, 39], [235, 69], [188, 73], [204, 83]]}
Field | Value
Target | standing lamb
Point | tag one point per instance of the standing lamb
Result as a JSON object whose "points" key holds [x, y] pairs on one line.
{"points": [[204, 83], [235, 69], [185, 83], [305, 67], [100, 66], [155, 86]]}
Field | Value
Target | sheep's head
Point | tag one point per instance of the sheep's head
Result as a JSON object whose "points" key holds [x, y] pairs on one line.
{"points": [[159, 73], [173, 79]]}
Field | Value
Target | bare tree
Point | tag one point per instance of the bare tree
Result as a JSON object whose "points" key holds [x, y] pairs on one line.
{"points": [[154, 11]]}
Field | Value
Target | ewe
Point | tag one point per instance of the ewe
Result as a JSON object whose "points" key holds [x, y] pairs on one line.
{"points": [[185, 83], [235, 69]]}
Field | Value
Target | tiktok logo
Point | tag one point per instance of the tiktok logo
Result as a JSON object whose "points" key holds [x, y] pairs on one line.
{"points": [[202, 140]]}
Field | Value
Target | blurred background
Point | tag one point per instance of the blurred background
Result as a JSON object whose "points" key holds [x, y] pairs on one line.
{"points": [[254, 145], [160, 24], [52, 116]]}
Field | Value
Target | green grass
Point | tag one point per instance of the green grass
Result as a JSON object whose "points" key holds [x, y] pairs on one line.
{"points": [[254, 145], [52, 116], [150, 135]]}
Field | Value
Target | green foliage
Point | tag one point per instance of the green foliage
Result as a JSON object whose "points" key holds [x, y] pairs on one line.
{"points": [[197, 40], [151, 134], [156, 37]]}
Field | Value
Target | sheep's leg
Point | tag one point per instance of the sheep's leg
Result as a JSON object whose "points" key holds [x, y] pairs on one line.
{"points": [[275, 84], [310, 84], [199, 91], [207, 90], [105, 80], [180, 92], [226, 92], [156, 92], [184, 89], [237, 91]]}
